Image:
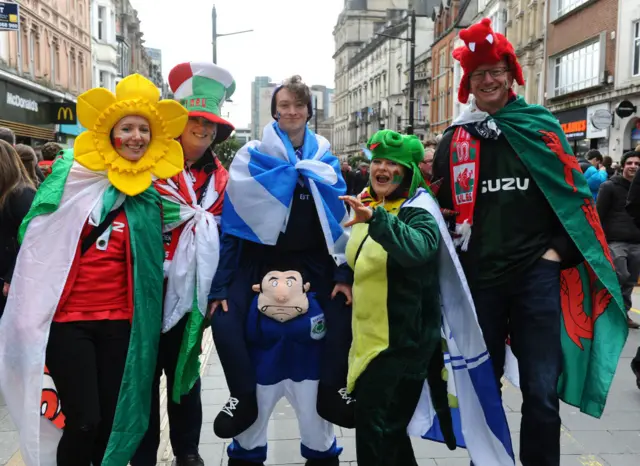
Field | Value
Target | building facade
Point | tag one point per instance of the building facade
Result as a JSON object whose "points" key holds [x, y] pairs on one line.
{"points": [[581, 57], [155, 70], [131, 54], [372, 65], [526, 26], [104, 47], [355, 27], [449, 18], [47, 60], [261, 90], [625, 132]]}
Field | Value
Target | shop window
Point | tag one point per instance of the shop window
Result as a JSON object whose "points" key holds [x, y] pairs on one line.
{"points": [[576, 70], [636, 48], [565, 6]]}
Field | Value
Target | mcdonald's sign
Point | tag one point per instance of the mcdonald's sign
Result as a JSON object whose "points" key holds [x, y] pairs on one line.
{"points": [[63, 113]]}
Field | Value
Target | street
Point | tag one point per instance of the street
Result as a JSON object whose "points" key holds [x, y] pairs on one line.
{"points": [[613, 440]]}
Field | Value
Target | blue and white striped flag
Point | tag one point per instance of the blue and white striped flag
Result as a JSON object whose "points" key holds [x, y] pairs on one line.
{"points": [[479, 421], [263, 178]]}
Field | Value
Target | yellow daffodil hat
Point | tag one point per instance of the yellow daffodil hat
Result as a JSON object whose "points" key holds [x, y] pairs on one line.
{"points": [[99, 110]]}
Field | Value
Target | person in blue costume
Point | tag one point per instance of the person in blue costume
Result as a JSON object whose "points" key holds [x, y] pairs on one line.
{"points": [[285, 331], [282, 212]]}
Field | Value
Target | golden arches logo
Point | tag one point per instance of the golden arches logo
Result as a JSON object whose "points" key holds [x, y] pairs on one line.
{"points": [[65, 113]]}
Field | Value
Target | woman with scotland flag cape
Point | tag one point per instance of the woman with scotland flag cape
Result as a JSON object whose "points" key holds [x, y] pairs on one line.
{"points": [[281, 212]]}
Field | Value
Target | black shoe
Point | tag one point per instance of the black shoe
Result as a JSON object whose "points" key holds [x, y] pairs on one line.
{"points": [[189, 460], [333, 461], [237, 462], [635, 367], [336, 406], [238, 415]]}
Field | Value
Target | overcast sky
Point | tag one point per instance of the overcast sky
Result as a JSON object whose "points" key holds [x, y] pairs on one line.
{"points": [[289, 37]]}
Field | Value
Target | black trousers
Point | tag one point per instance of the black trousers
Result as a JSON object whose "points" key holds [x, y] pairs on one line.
{"points": [[87, 361], [185, 419], [386, 397]]}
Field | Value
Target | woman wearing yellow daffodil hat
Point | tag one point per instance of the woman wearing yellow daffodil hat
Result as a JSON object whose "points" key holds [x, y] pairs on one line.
{"points": [[86, 297]]}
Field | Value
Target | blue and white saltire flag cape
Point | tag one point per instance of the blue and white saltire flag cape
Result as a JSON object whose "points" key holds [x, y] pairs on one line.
{"points": [[479, 421], [262, 180]]}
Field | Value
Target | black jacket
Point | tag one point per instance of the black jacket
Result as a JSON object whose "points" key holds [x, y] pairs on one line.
{"points": [[14, 210], [359, 182], [633, 199], [618, 225], [559, 239]]}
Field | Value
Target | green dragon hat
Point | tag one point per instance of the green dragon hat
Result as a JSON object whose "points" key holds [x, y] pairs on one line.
{"points": [[406, 150]]}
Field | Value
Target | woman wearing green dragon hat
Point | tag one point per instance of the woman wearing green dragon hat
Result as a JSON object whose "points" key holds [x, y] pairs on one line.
{"points": [[393, 250]]}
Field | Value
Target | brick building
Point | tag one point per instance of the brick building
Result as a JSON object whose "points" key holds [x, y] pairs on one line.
{"points": [[580, 71], [449, 18]]}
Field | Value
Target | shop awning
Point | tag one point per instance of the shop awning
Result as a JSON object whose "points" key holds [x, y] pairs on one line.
{"points": [[30, 131]]}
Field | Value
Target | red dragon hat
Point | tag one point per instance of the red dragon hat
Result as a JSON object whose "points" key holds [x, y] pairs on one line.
{"points": [[483, 46]]}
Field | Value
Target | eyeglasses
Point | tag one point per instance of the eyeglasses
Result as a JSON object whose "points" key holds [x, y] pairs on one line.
{"points": [[495, 73]]}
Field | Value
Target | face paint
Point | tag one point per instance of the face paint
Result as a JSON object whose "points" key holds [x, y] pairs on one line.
{"points": [[118, 143], [397, 179]]}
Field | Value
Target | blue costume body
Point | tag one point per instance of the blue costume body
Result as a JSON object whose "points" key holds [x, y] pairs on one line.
{"points": [[286, 357]]}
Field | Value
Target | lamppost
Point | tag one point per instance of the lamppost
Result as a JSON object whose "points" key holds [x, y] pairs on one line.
{"points": [[412, 64], [215, 35]]}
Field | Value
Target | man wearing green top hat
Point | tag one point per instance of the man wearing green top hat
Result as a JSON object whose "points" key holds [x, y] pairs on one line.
{"points": [[192, 205]]}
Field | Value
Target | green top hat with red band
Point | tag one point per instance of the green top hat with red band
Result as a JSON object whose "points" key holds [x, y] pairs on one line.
{"points": [[202, 88]]}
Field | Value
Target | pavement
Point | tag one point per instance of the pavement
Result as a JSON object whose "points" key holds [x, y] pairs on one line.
{"points": [[613, 440]]}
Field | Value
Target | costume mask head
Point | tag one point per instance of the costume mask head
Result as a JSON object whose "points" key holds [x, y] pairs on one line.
{"points": [[100, 111], [283, 295], [405, 150]]}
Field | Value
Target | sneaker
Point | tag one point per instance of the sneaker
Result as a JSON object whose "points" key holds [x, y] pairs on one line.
{"points": [[632, 323], [188, 460], [236, 416], [336, 406]]}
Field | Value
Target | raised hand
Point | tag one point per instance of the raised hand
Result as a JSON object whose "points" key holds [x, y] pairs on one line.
{"points": [[362, 213]]}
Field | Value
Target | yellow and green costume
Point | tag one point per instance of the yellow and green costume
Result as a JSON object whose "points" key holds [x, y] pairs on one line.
{"points": [[396, 310]]}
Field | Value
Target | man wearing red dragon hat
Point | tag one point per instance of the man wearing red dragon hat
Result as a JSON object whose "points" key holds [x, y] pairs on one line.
{"points": [[537, 262]]}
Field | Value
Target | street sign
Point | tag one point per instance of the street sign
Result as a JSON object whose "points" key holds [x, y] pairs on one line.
{"points": [[9, 16], [625, 109], [601, 119]]}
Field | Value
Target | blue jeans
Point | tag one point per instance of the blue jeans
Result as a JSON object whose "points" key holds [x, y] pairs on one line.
{"points": [[528, 308]]}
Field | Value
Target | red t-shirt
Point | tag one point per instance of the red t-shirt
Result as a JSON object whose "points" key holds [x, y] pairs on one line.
{"points": [[100, 282]]}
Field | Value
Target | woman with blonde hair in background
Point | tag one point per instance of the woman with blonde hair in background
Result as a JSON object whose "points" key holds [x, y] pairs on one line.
{"points": [[16, 194]]}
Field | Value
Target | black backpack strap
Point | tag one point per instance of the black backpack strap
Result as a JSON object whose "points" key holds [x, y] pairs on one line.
{"points": [[94, 234]]}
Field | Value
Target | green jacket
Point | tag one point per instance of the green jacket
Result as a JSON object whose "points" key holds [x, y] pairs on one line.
{"points": [[396, 307]]}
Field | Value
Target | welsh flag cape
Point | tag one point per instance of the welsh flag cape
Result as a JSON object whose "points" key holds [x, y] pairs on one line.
{"points": [[594, 327], [190, 270], [50, 233]]}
